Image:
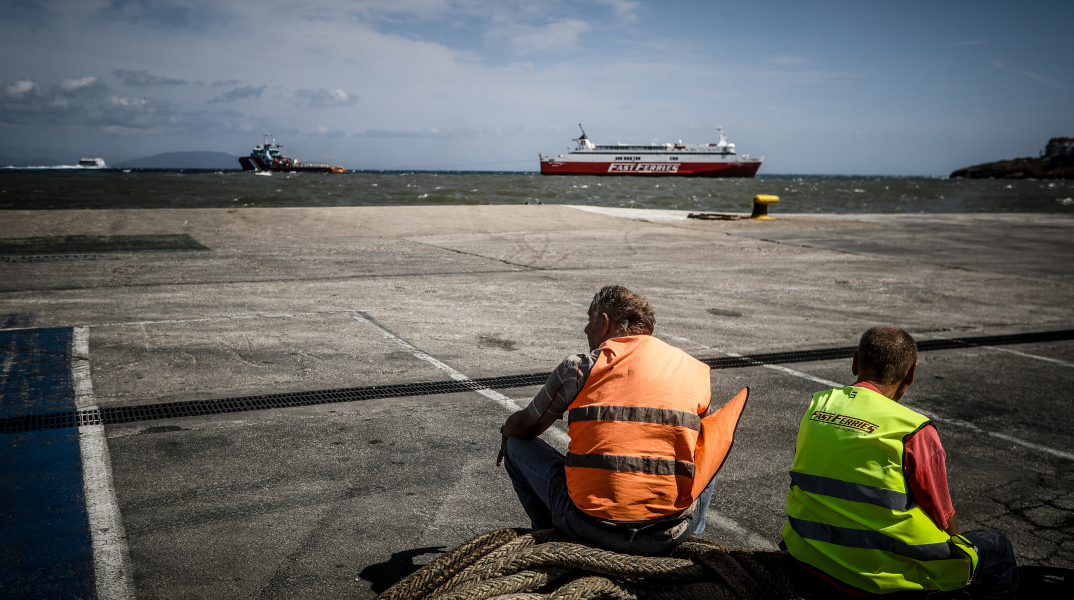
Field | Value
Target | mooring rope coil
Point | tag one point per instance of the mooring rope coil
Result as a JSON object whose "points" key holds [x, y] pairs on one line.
{"points": [[518, 564]]}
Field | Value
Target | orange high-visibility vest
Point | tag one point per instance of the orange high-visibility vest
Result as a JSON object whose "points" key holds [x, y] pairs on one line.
{"points": [[644, 444]]}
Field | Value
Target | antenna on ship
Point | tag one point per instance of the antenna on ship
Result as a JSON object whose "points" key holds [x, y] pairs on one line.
{"points": [[583, 132]]}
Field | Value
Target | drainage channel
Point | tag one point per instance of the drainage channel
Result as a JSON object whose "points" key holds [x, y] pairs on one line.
{"points": [[193, 408]]}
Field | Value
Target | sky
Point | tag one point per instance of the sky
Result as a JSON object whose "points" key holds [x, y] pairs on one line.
{"points": [[907, 88]]}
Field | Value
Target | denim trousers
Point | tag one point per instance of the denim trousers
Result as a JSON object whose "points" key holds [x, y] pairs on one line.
{"points": [[539, 477], [997, 573]]}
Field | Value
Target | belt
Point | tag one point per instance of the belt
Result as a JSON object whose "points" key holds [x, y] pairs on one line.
{"points": [[671, 521]]}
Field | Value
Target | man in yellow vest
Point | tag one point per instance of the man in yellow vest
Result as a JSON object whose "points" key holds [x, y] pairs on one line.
{"points": [[645, 444], [869, 510]]}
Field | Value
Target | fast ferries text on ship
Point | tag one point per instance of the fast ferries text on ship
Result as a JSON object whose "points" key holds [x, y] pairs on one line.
{"points": [[700, 160]]}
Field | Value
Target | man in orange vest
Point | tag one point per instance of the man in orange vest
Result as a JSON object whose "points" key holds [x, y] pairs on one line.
{"points": [[645, 444]]}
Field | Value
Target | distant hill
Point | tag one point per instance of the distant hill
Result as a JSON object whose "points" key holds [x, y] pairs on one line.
{"points": [[48, 158], [1020, 168], [183, 160], [1055, 162]]}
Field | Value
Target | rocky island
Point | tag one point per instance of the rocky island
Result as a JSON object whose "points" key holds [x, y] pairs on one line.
{"points": [[1055, 162]]}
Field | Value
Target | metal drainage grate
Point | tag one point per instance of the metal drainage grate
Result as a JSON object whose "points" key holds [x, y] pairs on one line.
{"points": [[193, 408], [778, 358]]}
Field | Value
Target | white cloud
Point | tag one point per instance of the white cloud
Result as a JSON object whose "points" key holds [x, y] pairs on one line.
{"points": [[128, 102], [20, 88], [326, 98], [624, 9], [81, 86], [330, 132], [557, 36], [243, 93], [142, 78]]}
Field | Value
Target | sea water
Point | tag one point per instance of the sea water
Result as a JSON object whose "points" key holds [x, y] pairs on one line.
{"points": [[109, 188]]}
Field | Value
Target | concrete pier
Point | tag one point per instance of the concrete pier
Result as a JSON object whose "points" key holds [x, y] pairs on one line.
{"points": [[341, 499]]}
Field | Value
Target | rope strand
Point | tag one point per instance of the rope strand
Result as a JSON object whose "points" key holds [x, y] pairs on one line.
{"points": [[516, 564]]}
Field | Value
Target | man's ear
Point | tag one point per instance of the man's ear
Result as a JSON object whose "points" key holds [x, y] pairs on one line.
{"points": [[605, 326], [854, 364], [910, 373]]}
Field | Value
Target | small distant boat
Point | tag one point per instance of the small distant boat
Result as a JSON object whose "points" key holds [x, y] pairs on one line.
{"points": [[267, 157], [683, 160], [91, 162]]}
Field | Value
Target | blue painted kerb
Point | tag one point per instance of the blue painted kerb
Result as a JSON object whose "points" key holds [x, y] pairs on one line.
{"points": [[45, 546]]}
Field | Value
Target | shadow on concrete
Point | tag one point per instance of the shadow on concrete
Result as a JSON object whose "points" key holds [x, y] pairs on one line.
{"points": [[382, 576]]}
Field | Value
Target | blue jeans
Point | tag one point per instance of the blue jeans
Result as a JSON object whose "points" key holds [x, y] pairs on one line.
{"points": [[997, 573], [539, 477]]}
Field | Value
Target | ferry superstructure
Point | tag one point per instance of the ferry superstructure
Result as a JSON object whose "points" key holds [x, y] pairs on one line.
{"points": [[678, 159], [90, 162], [267, 157]]}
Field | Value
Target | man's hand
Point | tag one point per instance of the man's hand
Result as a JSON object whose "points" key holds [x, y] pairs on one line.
{"points": [[952, 526], [503, 447], [520, 425]]}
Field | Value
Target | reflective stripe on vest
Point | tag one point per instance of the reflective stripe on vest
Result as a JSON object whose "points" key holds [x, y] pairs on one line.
{"points": [[849, 510], [634, 428]]}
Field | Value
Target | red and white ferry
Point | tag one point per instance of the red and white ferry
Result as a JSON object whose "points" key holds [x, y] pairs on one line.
{"points": [[700, 160]]}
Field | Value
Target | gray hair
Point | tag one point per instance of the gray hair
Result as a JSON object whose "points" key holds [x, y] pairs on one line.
{"points": [[628, 312]]}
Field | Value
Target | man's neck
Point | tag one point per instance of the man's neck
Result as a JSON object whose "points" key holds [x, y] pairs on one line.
{"points": [[887, 391]]}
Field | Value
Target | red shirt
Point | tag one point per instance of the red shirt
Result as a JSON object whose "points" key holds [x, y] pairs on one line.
{"points": [[926, 470]]}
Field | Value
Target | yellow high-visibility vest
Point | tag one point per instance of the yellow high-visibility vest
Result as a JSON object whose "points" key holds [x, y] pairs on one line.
{"points": [[850, 513]]}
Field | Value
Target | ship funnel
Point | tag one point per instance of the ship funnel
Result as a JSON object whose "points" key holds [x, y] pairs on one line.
{"points": [[583, 142]]}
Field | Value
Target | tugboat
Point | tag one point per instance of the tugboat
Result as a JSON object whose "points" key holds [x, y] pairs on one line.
{"points": [[698, 160], [91, 162], [267, 157]]}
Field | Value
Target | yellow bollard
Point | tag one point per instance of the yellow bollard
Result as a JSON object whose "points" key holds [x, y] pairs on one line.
{"points": [[760, 205]]}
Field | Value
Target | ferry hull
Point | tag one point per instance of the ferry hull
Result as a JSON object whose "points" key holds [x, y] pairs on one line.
{"points": [[651, 169], [253, 163]]}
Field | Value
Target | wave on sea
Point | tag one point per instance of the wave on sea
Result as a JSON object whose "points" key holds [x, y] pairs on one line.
{"points": [[91, 188]]}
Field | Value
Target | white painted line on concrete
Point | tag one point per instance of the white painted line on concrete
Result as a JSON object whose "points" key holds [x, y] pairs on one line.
{"points": [[744, 536], [782, 369], [654, 215], [931, 415], [1007, 350], [1034, 356], [81, 383], [1001, 436], [491, 394], [349, 311], [111, 557]]}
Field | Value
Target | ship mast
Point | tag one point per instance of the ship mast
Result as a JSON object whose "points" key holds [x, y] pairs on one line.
{"points": [[583, 142]]}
